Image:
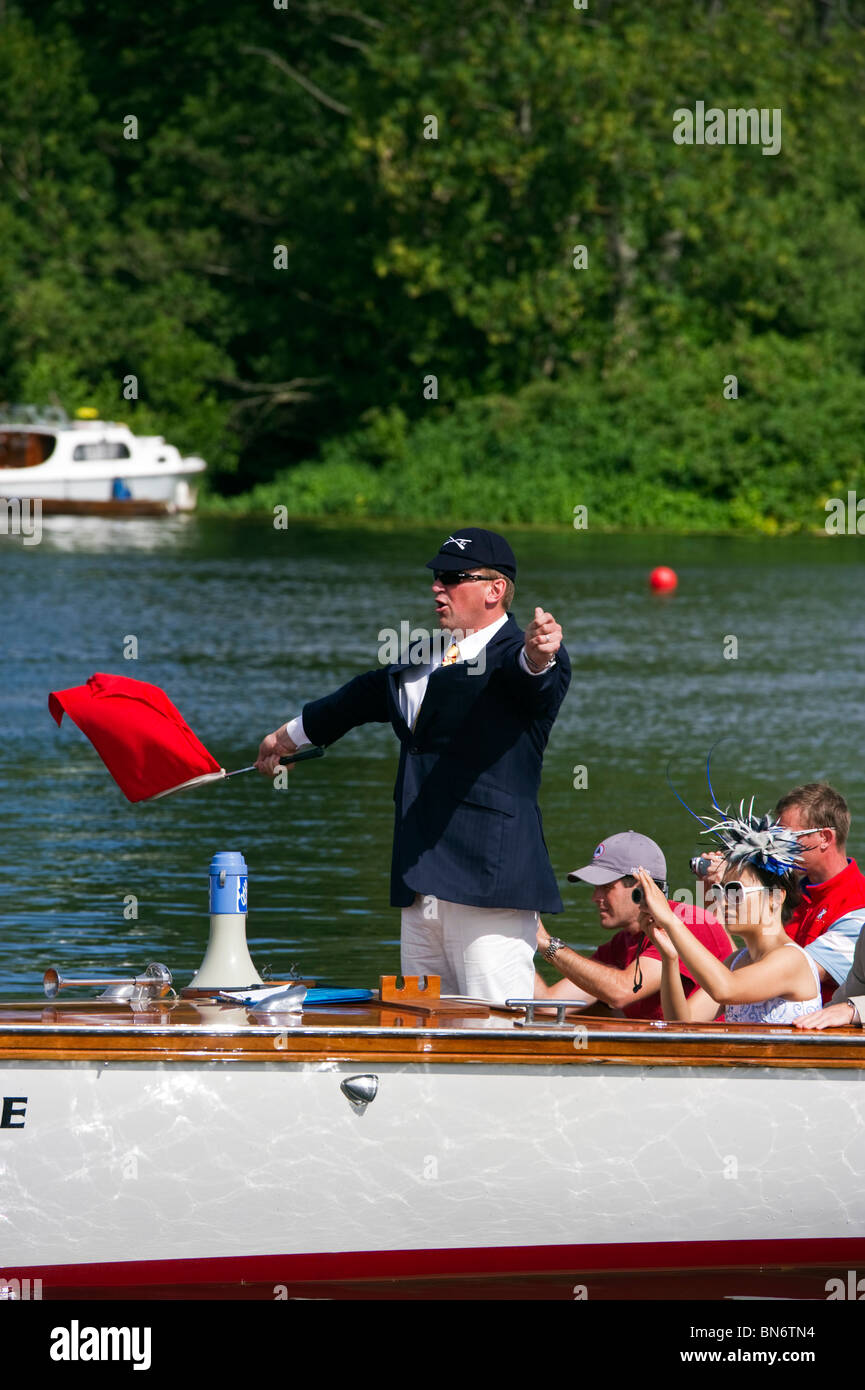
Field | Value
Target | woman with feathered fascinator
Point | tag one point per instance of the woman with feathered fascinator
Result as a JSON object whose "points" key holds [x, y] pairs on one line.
{"points": [[772, 980]]}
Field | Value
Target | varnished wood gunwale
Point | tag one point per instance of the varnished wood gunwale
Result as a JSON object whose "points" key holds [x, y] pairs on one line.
{"points": [[107, 1032], [488, 1059], [845, 1049]]}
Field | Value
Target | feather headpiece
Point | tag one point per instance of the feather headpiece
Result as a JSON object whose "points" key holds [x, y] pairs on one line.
{"points": [[746, 838], [757, 840]]}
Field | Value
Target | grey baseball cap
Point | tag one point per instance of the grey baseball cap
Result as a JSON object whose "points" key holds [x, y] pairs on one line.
{"points": [[619, 855]]}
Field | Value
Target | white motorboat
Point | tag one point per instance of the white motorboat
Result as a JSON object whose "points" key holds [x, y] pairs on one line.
{"points": [[90, 465]]}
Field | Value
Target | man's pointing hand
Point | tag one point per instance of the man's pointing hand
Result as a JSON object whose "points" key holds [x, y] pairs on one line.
{"points": [[543, 639]]}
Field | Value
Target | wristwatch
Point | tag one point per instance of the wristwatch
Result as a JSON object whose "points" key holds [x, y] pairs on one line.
{"points": [[539, 670], [555, 945]]}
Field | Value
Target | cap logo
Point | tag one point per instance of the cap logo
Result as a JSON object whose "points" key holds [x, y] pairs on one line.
{"points": [[599, 851], [461, 541]]}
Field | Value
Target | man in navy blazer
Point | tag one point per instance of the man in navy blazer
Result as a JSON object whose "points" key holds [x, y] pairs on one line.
{"points": [[470, 867]]}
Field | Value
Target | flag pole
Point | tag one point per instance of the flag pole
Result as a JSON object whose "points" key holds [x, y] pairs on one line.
{"points": [[292, 758], [221, 775]]}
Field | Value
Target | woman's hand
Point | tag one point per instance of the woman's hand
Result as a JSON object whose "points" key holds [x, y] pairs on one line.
{"points": [[657, 935], [653, 907], [654, 903], [717, 866]]}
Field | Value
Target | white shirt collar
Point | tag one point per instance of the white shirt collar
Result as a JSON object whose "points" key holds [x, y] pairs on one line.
{"points": [[474, 642]]}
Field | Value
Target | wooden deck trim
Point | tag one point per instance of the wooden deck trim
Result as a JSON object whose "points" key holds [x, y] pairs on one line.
{"points": [[106, 1033], [419, 1047]]}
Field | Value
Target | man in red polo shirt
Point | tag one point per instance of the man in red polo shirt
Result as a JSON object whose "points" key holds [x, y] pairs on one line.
{"points": [[625, 972], [832, 883]]}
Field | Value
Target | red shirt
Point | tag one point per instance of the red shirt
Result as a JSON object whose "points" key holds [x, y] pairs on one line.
{"points": [[823, 903], [620, 951]]}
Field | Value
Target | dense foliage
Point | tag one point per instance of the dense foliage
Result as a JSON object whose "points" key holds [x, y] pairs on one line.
{"points": [[304, 373]]}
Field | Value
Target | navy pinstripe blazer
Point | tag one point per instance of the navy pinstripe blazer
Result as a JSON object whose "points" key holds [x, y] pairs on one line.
{"points": [[467, 826]]}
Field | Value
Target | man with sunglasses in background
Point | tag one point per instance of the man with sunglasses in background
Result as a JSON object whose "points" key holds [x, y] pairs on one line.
{"points": [[829, 918], [470, 869], [832, 883], [624, 974]]}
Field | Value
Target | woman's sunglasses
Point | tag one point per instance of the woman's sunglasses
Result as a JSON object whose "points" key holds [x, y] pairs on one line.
{"points": [[733, 894]]}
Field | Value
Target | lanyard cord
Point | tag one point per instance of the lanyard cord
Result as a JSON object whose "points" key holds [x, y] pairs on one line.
{"points": [[638, 969]]}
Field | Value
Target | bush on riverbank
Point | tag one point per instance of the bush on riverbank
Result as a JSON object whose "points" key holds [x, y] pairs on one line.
{"points": [[653, 445], [315, 216]]}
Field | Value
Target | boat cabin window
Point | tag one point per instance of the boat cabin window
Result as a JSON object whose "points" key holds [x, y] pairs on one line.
{"points": [[102, 449], [19, 449]]}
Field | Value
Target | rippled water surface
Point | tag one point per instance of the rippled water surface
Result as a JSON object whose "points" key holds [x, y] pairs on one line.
{"points": [[240, 624]]}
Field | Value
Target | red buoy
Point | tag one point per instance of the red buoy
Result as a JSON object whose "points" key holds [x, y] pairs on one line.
{"points": [[663, 580]]}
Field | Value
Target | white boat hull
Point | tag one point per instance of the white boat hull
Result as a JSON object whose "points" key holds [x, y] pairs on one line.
{"points": [[172, 487], [208, 1162]]}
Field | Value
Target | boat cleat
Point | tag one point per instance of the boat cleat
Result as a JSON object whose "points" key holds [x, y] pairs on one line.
{"points": [[560, 1006]]}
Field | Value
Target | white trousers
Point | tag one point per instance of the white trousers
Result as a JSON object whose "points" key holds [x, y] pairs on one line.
{"points": [[483, 952]]}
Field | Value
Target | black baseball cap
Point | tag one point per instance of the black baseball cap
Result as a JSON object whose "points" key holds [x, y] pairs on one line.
{"points": [[471, 546]]}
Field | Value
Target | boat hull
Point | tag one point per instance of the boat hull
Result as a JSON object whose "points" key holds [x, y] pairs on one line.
{"points": [[207, 1175], [59, 493]]}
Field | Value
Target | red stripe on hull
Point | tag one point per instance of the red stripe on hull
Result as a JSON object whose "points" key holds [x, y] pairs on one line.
{"points": [[637, 1269]]}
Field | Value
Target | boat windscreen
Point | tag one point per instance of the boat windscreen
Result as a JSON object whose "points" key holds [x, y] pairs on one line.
{"points": [[100, 449], [22, 449]]}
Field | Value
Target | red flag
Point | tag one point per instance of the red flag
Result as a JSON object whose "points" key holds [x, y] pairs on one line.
{"points": [[142, 739]]}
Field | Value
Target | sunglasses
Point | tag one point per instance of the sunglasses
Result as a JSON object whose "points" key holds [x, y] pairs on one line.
{"points": [[451, 577], [734, 894]]}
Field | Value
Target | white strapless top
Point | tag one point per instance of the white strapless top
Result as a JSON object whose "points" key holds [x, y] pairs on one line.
{"points": [[779, 1009]]}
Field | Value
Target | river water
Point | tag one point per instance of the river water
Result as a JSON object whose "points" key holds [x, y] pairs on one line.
{"points": [[240, 624]]}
